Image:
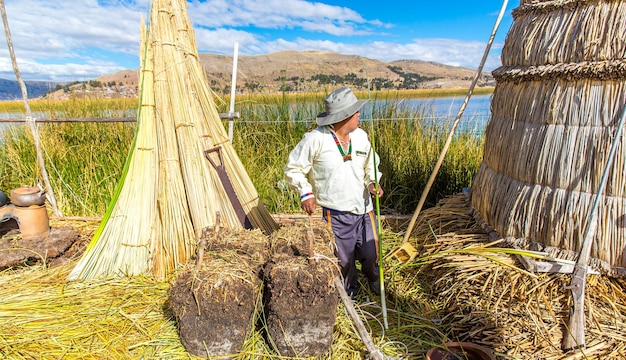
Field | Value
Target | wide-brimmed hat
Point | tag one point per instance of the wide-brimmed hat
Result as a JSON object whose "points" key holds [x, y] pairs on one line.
{"points": [[340, 105]]}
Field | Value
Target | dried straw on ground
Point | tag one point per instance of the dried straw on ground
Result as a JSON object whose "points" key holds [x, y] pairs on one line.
{"points": [[482, 294], [457, 289], [170, 191], [558, 99], [44, 315]]}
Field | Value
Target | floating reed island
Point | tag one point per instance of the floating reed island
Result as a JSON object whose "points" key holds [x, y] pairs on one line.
{"points": [[134, 291]]}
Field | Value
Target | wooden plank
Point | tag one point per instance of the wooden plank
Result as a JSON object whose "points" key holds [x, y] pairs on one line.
{"points": [[553, 265]]}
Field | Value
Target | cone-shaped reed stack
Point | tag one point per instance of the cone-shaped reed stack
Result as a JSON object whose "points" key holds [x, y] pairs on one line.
{"points": [[170, 191], [558, 99]]}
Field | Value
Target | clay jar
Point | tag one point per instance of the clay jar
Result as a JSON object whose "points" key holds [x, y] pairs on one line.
{"points": [[27, 196]]}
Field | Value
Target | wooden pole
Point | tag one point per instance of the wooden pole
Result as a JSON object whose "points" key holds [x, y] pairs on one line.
{"points": [[233, 86], [479, 71], [29, 118], [375, 354], [311, 242], [575, 336]]}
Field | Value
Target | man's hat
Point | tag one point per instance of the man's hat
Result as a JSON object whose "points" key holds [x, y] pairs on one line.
{"points": [[340, 105]]}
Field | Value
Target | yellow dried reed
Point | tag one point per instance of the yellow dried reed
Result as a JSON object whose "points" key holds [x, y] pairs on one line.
{"points": [[578, 31], [481, 295], [121, 244], [171, 191]]}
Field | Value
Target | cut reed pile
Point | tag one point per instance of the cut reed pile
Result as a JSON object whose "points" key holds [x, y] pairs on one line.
{"points": [[484, 295], [461, 288], [558, 99], [169, 190]]}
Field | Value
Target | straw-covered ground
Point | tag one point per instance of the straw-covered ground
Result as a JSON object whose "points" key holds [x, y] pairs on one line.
{"points": [[460, 287]]}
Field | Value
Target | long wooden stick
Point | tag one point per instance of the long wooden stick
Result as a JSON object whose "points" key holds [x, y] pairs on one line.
{"points": [[479, 71], [29, 118], [375, 353], [575, 336]]}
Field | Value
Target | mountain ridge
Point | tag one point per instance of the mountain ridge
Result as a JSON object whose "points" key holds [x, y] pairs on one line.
{"points": [[294, 71], [10, 89]]}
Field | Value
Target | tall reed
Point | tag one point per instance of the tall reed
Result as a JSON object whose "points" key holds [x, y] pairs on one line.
{"points": [[85, 159]]}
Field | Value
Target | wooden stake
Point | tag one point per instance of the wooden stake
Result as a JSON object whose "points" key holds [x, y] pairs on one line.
{"points": [[311, 242], [431, 180], [575, 336], [202, 243]]}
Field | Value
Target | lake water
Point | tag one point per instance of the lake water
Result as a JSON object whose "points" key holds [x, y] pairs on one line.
{"points": [[438, 110], [443, 111], [474, 118]]}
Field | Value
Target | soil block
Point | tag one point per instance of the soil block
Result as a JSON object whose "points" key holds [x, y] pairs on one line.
{"points": [[301, 299], [215, 306]]}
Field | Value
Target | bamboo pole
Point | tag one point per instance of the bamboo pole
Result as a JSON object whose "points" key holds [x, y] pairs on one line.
{"points": [[29, 118], [575, 336], [479, 71], [381, 274]]}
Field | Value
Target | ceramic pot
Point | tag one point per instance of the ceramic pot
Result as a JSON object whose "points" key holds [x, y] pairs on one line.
{"points": [[27, 196], [3, 198]]}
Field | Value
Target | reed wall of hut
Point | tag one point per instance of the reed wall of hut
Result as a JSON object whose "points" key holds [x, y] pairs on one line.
{"points": [[558, 99]]}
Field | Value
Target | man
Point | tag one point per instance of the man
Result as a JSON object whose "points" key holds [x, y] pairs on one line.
{"points": [[333, 167]]}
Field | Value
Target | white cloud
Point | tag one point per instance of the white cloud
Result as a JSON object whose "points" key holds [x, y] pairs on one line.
{"points": [[277, 14], [70, 40], [45, 32], [223, 40]]}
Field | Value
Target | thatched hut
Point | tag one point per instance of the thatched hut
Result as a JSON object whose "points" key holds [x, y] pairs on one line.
{"points": [[558, 99]]}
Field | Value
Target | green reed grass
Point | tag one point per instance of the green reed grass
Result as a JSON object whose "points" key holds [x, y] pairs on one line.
{"points": [[84, 159], [75, 107]]}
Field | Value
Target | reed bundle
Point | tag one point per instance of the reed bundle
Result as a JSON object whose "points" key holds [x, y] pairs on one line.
{"points": [[170, 191], [482, 295], [121, 245], [558, 98]]}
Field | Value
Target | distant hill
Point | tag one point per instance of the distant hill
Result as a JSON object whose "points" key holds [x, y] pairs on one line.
{"points": [[297, 71], [10, 89], [301, 71]]}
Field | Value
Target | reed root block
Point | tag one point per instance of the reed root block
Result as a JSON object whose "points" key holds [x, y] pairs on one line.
{"points": [[215, 306], [300, 305]]}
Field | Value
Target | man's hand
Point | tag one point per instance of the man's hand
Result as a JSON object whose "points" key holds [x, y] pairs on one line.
{"points": [[372, 189], [308, 205]]}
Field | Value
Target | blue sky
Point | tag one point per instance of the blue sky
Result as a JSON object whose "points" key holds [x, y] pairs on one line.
{"points": [[68, 40]]}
